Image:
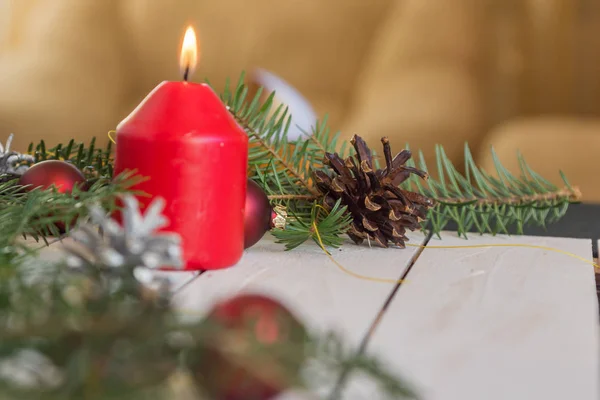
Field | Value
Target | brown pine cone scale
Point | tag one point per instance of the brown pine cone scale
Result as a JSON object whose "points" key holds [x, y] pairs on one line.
{"points": [[380, 209]]}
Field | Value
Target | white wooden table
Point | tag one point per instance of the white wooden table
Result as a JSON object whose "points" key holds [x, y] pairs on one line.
{"points": [[491, 323]]}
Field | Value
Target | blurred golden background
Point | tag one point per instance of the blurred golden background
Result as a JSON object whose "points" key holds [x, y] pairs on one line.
{"points": [[522, 75]]}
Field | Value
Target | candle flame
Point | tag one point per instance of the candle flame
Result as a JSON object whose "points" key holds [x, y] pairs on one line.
{"points": [[189, 53]]}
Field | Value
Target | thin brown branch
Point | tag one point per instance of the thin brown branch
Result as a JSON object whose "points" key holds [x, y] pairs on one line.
{"points": [[571, 194], [306, 197], [252, 132], [319, 145]]}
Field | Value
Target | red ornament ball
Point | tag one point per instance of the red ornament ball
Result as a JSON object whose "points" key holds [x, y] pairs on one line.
{"points": [[257, 215], [254, 350], [62, 175]]}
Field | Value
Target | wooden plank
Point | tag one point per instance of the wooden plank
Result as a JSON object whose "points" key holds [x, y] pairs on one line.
{"points": [[496, 323], [305, 280], [50, 251]]}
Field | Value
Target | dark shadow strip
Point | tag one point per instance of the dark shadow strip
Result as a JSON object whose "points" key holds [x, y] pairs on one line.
{"points": [[179, 289]]}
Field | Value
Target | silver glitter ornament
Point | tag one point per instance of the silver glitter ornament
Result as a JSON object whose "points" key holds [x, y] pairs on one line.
{"points": [[30, 369], [135, 244], [12, 162]]}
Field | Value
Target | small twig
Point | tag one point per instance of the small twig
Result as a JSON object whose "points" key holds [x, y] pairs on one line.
{"points": [[306, 197], [252, 132], [573, 194], [319, 145]]}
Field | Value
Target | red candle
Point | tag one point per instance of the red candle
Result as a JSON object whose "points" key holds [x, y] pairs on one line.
{"points": [[194, 154]]}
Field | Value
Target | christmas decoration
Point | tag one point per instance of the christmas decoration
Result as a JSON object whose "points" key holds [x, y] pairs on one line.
{"points": [[279, 217], [474, 201], [30, 369], [98, 332], [137, 243], [60, 174], [97, 309], [249, 356], [258, 214], [380, 209], [11, 162], [189, 120]]}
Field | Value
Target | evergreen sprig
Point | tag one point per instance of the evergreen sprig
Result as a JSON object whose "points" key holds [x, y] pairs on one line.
{"points": [[93, 161], [336, 356], [267, 127], [324, 227], [478, 201], [473, 200], [38, 213], [283, 167]]}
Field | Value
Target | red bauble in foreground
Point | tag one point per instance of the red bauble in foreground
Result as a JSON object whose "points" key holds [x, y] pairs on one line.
{"points": [[257, 214], [62, 175], [255, 350]]}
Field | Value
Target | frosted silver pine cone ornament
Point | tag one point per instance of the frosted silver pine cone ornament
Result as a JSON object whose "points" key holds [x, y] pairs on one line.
{"points": [[137, 243], [12, 162]]}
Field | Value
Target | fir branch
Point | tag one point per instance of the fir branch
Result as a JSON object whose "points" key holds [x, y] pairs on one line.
{"points": [[335, 356], [93, 161], [28, 213], [478, 201], [291, 197], [474, 200], [274, 154], [565, 194], [323, 141], [267, 130], [322, 226], [320, 146], [283, 168]]}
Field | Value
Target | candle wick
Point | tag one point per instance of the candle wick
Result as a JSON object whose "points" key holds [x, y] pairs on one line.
{"points": [[186, 73]]}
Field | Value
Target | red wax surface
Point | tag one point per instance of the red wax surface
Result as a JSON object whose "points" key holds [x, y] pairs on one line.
{"points": [[195, 155]]}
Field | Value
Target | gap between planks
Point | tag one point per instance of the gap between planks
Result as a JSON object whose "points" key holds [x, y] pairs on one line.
{"points": [[338, 391]]}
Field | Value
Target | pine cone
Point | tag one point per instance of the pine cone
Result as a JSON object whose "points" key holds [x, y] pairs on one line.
{"points": [[381, 211], [11, 162]]}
